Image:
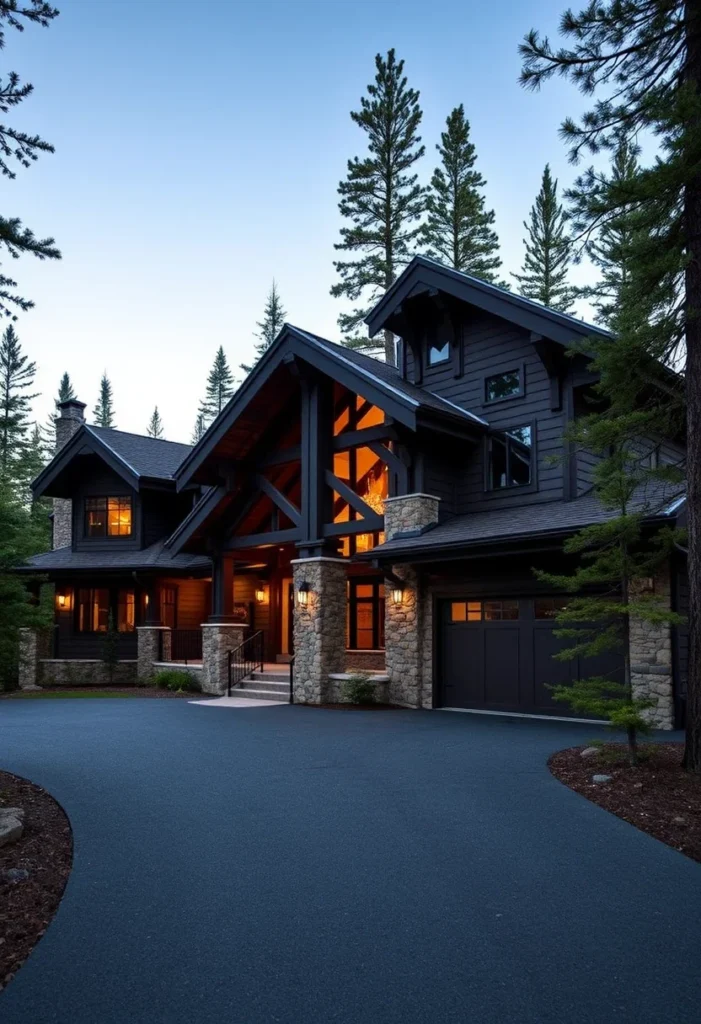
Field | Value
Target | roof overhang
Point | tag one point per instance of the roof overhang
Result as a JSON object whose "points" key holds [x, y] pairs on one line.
{"points": [[83, 442], [424, 274]]}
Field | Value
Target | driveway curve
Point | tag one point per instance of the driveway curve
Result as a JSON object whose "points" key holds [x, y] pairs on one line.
{"points": [[294, 865]]}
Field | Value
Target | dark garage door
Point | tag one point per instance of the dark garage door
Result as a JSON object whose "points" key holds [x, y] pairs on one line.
{"points": [[497, 654]]}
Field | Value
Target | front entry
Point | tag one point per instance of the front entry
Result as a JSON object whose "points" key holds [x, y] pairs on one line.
{"points": [[497, 654]]}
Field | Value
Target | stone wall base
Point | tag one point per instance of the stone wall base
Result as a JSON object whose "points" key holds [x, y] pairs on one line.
{"points": [[365, 661], [74, 673], [333, 691]]}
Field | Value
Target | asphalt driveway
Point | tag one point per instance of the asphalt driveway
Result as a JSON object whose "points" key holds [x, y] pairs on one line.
{"points": [[298, 865]]}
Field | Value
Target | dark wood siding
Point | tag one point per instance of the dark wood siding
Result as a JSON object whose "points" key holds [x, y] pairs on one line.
{"points": [[97, 479]]}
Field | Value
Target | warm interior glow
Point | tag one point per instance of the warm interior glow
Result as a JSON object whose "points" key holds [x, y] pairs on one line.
{"points": [[62, 600], [397, 594], [260, 594]]}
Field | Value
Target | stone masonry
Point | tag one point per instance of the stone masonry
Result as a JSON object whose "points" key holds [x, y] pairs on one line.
{"points": [[33, 646], [409, 625], [218, 638], [153, 644], [319, 627], [651, 658], [69, 420]]}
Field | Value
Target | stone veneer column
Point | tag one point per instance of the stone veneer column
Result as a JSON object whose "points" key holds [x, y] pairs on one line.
{"points": [[409, 625], [150, 648], [218, 638], [651, 656], [319, 626], [69, 420], [33, 646]]}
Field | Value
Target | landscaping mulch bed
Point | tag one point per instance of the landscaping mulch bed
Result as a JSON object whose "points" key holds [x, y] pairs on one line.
{"points": [[655, 796], [58, 692], [45, 851]]}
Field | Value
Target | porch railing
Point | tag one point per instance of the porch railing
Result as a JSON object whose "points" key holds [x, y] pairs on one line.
{"points": [[245, 659], [186, 645]]}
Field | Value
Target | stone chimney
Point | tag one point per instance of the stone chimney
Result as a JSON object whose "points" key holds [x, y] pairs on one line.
{"points": [[69, 420]]}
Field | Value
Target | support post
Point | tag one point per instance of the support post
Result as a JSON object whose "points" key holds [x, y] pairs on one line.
{"points": [[152, 644], [218, 638], [222, 589], [319, 626]]}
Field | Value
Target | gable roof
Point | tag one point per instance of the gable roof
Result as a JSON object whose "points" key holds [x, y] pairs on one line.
{"points": [[526, 313], [134, 457], [380, 383]]}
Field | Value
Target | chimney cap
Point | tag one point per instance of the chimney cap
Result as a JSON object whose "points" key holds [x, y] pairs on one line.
{"points": [[71, 404]]}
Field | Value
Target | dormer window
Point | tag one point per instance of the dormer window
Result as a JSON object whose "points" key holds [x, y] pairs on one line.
{"points": [[108, 517], [438, 352]]}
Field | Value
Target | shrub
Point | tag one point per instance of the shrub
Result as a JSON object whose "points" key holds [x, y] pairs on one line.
{"points": [[177, 682], [359, 689]]}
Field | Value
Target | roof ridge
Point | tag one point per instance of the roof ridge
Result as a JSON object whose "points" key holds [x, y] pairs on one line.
{"points": [[143, 437]]}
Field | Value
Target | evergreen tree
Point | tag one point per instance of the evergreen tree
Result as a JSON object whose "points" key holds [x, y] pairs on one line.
{"points": [[66, 393], [611, 248], [16, 380], [199, 429], [642, 61], [103, 413], [459, 230], [19, 148], [380, 196], [548, 255], [220, 388], [271, 324], [155, 424]]}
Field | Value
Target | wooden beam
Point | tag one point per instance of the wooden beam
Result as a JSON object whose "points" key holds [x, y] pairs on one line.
{"points": [[317, 458], [349, 495], [359, 438], [394, 463], [279, 499], [280, 458], [222, 586], [254, 540], [355, 526]]}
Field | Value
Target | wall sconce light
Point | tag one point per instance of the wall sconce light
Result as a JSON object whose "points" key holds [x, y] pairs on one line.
{"points": [[61, 601], [260, 593], [303, 593], [397, 593]]}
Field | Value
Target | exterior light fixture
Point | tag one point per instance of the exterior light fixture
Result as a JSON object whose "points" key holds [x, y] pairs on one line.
{"points": [[303, 593], [61, 600], [260, 594], [397, 593]]}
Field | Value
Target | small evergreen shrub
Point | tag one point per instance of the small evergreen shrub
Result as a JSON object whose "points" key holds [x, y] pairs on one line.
{"points": [[359, 689], [175, 681]]}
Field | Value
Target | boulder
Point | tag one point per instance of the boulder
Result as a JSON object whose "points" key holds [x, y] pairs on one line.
{"points": [[11, 826], [601, 778], [589, 752]]}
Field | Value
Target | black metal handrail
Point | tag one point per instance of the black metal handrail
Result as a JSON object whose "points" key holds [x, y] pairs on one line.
{"points": [[245, 659], [186, 645], [292, 679]]}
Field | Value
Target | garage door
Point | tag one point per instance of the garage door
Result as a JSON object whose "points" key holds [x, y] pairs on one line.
{"points": [[497, 654]]}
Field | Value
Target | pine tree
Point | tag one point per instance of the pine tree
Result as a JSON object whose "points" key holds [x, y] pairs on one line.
{"points": [[220, 388], [548, 254], [642, 61], [380, 196], [16, 380], [19, 148], [459, 230], [611, 249], [199, 429], [271, 324], [155, 424], [66, 393], [103, 413]]}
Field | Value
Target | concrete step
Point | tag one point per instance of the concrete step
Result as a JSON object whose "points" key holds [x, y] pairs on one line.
{"points": [[237, 691], [272, 677], [274, 685]]}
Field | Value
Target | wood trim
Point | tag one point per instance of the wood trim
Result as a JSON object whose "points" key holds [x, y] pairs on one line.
{"points": [[254, 540], [359, 438], [349, 495], [354, 526], [279, 499]]}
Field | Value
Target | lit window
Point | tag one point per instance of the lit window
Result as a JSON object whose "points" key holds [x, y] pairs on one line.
{"points": [[366, 615], [93, 608], [108, 517], [498, 611], [126, 607], [502, 385], [510, 458]]}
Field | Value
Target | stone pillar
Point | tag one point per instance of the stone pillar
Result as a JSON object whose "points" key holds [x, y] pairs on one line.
{"points": [[69, 420], [319, 626], [409, 624], [33, 646], [651, 655], [218, 638], [153, 643]]}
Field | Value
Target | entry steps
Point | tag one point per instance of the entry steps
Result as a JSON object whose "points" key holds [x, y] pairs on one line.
{"points": [[265, 685]]}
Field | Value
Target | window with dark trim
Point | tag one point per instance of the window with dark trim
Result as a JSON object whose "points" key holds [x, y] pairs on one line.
{"points": [[108, 516], [366, 615], [93, 610], [169, 607], [126, 611], [510, 458], [438, 352], [484, 611], [503, 385]]}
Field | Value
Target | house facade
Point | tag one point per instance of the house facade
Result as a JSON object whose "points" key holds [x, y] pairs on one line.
{"points": [[350, 515]]}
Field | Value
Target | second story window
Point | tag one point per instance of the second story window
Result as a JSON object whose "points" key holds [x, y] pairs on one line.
{"points": [[108, 517], [503, 385], [511, 458], [438, 352]]}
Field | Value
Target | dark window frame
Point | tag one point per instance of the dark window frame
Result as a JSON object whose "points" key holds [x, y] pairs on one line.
{"points": [[432, 345], [520, 369], [524, 488], [105, 500], [113, 603], [377, 601]]}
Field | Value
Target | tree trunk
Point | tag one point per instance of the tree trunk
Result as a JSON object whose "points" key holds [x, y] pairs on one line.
{"points": [[692, 230]]}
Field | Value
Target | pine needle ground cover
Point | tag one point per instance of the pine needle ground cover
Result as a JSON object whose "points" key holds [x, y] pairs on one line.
{"points": [[655, 795], [33, 871]]}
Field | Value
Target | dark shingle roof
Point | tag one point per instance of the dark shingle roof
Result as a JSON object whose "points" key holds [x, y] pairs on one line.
{"points": [[508, 524], [153, 557], [146, 456], [390, 375]]}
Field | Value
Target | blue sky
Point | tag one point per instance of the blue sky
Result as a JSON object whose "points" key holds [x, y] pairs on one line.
{"points": [[198, 151]]}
